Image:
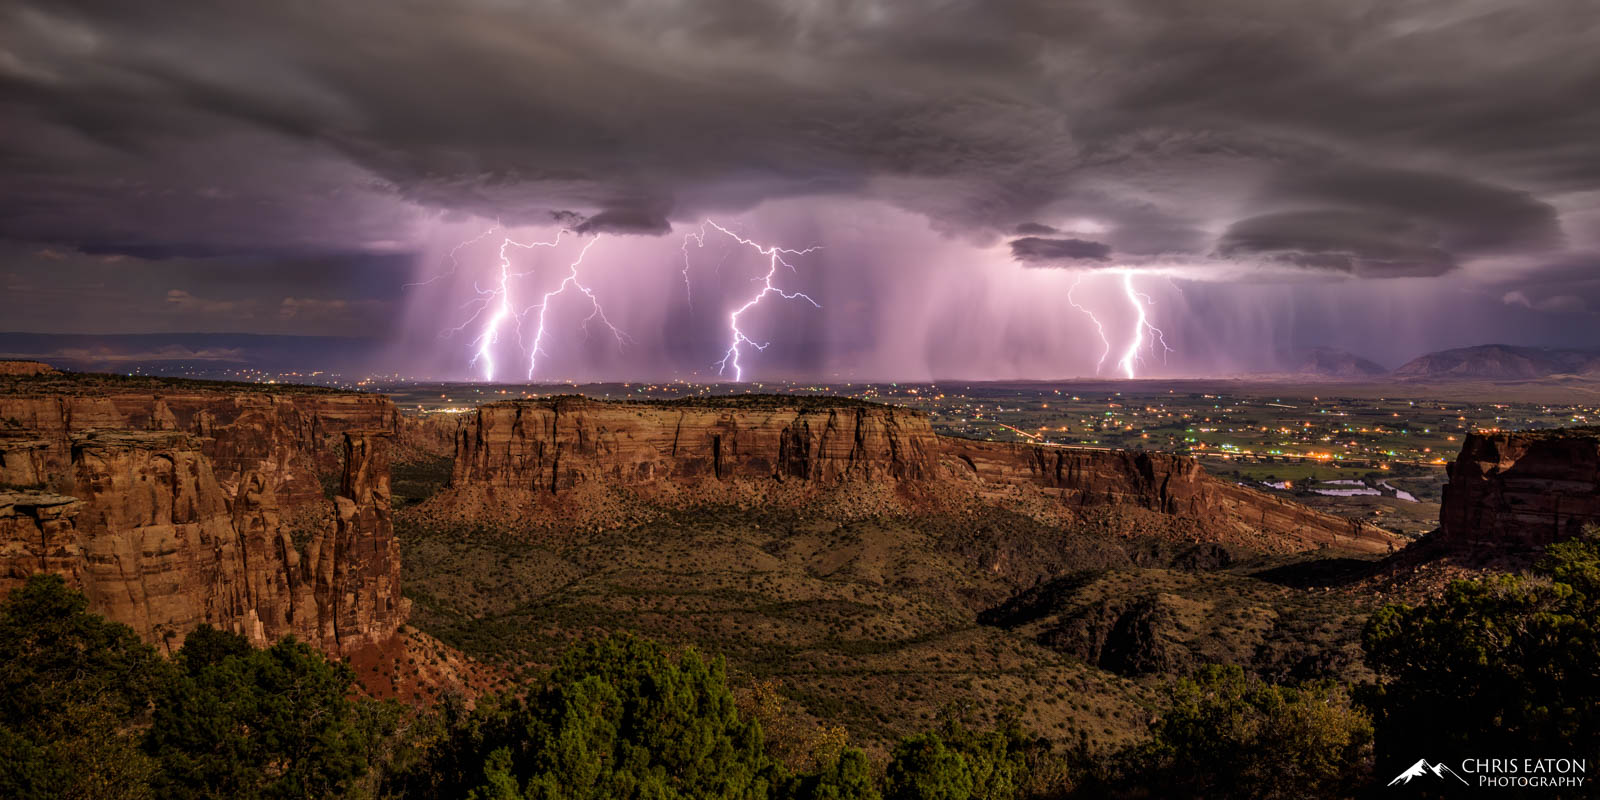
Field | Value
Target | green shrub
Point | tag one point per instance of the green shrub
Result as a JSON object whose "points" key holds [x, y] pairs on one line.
{"points": [[246, 723], [75, 690], [1507, 665], [1228, 734], [618, 718]]}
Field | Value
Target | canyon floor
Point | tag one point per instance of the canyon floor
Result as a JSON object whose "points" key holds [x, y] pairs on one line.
{"points": [[880, 625]]}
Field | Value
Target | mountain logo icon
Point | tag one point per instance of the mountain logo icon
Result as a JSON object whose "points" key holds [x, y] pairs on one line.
{"points": [[1422, 767]]}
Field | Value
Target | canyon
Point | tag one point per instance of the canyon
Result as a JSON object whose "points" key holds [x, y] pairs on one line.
{"points": [[269, 511]]}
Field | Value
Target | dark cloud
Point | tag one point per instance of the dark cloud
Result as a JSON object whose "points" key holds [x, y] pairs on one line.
{"points": [[1570, 284], [567, 219], [1355, 242], [1039, 252], [1364, 139], [236, 125], [636, 220], [1470, 216]]}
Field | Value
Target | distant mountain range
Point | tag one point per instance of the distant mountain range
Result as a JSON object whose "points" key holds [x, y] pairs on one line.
{"points": [[1483, 362], [1499, 361], [204, 354]]}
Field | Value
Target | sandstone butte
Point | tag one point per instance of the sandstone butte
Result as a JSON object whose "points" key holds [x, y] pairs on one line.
{"points": [[199, 503], [26, 368]]}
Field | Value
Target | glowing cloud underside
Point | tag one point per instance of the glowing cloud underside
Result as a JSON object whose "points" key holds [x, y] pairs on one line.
{"points": [[775, 258]]}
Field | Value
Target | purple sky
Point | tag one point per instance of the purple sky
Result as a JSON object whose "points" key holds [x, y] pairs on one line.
{"points": [[1384, 177]]}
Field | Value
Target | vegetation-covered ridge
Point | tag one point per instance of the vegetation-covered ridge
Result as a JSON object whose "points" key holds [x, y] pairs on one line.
{"points": [[1503, 665]]}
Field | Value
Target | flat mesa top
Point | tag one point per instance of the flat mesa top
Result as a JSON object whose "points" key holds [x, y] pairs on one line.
{"points": [[1591, 432]]}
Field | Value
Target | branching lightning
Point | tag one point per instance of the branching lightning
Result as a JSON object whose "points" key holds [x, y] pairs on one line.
{"points": [[497, 301], [494, 307], [596, 312], [1100, 329], [454, 264], [1144, 336], [775, 258]]}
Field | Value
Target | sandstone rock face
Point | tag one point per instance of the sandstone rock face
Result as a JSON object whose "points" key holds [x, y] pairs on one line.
{"points": [[36, 535], [26, 368], [1163, 482], [426, 436], [1521, 490], [555, 445], [360, 563], [172, 510], [290, 438], [533, 456]]}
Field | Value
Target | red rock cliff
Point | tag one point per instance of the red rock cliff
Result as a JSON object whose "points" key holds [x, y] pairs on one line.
{"points": [[1167, 483], [291, 439], [551, 455], [1522, 490], [174, 509], [551, 445]]}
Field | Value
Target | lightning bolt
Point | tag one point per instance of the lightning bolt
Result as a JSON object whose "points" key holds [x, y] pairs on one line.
{"points": [[497, 302], [700, 242], [1145, 334], [775, 258], [596, 312], [454, 264], [1099, 328], [1140, 301], [1160, 338], [500, 299]]}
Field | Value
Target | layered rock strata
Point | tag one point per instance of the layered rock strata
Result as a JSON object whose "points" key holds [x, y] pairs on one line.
{"points": [[557, 455], [1522, 490], [261, 513]]}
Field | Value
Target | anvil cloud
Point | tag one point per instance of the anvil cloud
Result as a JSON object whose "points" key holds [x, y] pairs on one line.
{"points": [[1431, 150]]}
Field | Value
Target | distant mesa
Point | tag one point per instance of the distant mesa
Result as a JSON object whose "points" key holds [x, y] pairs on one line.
{"points": [[578, 462], [1502, 362], [1330, 362], [213, 351], [25, 368]]}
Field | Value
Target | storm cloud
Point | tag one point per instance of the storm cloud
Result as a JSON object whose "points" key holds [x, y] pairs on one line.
{"points": [[1041, 252], [982, 115], [1324, 138], [1360, 243]]}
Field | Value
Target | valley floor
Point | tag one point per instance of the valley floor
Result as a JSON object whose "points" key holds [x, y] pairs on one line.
{"points": [[883, 625]]}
